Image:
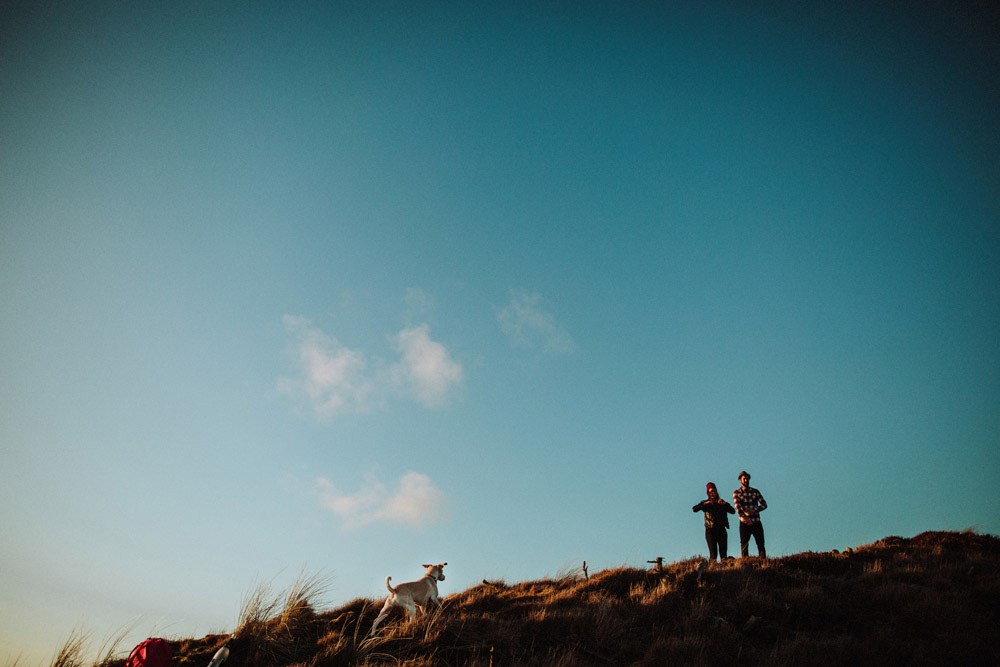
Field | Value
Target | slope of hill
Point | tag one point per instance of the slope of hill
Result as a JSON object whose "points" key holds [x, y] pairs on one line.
{"points": [[933, 599]]}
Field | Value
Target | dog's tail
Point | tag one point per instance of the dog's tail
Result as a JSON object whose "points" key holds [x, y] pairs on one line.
{"points": [[387, 585]]}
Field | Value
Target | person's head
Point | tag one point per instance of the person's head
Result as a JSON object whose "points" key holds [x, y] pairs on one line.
{"points": [[713, 493], [744, 478]]}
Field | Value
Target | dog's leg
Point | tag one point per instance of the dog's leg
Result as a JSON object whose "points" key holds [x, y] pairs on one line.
{"points": [[386, 608]]}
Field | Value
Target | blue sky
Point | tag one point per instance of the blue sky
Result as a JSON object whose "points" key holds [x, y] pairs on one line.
{"points": [[354, 288]]}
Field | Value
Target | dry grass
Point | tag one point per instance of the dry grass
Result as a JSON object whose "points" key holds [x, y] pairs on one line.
{"points": [[264, 612], [277, 628], [76, 650], [930, 600]]}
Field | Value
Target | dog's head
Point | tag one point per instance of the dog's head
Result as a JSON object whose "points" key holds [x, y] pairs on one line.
{"points": [[435, 571]]}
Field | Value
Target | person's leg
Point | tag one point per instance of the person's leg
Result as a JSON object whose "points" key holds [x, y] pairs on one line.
{"points": [[744, 540], [710, 538], [723, 543], [758, 537]]}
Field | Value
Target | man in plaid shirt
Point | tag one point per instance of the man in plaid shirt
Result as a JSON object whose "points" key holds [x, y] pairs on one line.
{"points": [[749, 504]]}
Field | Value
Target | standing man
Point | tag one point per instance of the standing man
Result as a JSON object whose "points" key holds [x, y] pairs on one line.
{"points": [[716, 522], [749, 504]]}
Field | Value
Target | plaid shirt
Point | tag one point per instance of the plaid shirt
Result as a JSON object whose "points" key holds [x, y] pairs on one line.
{"points": [[749, 504]]}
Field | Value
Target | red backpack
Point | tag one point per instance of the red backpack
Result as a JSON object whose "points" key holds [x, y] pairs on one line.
{"points": [[150, 653]]}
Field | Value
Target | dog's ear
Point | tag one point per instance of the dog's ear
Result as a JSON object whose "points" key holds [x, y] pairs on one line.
{"points": [[442, 564], [426, 566]]}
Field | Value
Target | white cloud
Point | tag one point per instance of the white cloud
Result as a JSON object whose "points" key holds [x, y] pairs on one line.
{"points": [[416, 503], [527, 324], [334, 378], [426, 370]]}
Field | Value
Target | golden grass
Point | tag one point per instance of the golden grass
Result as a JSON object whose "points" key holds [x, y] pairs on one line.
{"points": [[77, 648], [73, 651], [278, 628], [930, 600]]}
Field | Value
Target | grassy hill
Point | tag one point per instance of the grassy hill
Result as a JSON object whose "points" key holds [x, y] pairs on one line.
{"points": [[933, 599]]}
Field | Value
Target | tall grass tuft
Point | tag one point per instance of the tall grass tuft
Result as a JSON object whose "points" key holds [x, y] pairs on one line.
{"points": [[278, 628], [256, 608], [75, 650]]}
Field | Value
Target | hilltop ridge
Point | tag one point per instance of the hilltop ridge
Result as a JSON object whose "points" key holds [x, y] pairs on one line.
{"points": [[933, 599]]}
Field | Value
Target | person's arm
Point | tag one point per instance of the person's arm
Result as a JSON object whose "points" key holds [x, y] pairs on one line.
{"points": [[761, 505], [699, 507], [729, 508]]}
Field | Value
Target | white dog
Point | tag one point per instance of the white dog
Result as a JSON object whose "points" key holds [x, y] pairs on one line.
{"points": [[412, 595]]}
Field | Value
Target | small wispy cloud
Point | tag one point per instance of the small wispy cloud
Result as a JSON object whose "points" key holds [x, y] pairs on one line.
{"points": [[415, 503], [426, 371], [334, 378], [527, 324], [418, 303]]}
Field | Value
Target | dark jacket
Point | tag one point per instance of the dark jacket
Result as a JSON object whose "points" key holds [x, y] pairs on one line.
{"points": [[715, 512]]}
